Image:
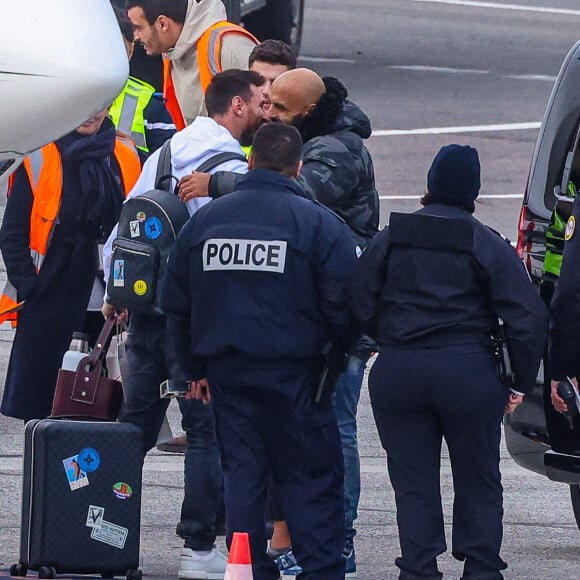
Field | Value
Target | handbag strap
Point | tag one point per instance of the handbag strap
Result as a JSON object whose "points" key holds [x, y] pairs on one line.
{"points": [[104, 339]]}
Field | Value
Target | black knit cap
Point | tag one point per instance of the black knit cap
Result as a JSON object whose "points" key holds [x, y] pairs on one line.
{"points": [[454, 176]]}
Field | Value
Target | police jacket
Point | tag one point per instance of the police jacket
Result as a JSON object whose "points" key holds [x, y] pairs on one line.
{"points": [[564, 342], [439, 278], [259, 273]]}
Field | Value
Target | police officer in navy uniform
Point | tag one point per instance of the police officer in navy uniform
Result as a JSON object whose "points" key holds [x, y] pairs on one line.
{"points": [[564, 346], [430, 289], [256, 288]]}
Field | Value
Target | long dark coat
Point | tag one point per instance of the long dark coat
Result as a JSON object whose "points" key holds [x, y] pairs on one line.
{"points": [[55, 300]]}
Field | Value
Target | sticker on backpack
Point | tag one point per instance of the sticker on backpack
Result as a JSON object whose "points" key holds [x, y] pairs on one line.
{"points": [[153, 228], [140, 287], [135, 227], [119, 273]]}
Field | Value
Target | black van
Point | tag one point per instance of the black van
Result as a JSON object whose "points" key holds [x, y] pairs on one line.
{"points": [[537, 437]]}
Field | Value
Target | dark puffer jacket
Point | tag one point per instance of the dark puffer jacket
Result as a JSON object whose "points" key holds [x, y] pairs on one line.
{"points": [[337, 168]]}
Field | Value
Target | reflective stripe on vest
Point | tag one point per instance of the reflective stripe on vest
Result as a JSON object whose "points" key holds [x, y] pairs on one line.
{"points": [[9, 307], [209, 48], [44, 169], [128, 111], [555, 240]]}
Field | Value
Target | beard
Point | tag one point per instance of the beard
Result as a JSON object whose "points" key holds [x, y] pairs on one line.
{"points": [[248, 133]]}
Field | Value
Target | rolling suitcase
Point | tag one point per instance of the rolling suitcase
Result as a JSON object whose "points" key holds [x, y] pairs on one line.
{"points": [[81, 499]]}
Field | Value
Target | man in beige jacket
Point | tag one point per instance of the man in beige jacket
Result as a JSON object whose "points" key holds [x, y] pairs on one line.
{"points": [[197, 42]]}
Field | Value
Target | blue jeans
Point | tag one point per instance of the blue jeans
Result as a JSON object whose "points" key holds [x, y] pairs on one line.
{"points": [[148, 365], [346, 402]]}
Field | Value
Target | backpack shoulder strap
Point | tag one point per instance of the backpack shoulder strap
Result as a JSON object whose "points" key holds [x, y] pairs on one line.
{"points": [[163, 173], [218, 159]]}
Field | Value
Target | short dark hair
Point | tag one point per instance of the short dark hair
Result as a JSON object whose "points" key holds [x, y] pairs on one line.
{"points": [[273, 52], [277, 147], [124, 23], [229, 84], [152, 9]]}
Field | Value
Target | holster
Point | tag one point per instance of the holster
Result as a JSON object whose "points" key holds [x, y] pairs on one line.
{"points": [[334, 363]]}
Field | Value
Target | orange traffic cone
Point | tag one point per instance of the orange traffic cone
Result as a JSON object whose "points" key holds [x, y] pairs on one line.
{"points": [[240, 560]]}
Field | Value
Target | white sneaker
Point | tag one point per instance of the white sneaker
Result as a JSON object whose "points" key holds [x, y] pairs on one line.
{"points": [[202, 565]]}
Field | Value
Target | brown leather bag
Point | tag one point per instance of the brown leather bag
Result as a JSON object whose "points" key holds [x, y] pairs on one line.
{"points": [[86, 393]]}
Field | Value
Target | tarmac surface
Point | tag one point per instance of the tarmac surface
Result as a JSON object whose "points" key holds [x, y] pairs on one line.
{"points": [[541, 538], [426, 67]]}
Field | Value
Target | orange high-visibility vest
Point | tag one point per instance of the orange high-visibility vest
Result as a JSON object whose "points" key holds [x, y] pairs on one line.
{"points": [[209, 48], [44, 169]]}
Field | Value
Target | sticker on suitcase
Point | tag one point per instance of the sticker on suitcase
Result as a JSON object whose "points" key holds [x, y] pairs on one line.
{"points": [[89, 459], [122, 490], [111, 534], [76, 477], [95, 516]]}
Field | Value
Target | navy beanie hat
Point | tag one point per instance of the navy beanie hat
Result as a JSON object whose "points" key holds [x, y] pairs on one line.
{"points": [[454, 176]]}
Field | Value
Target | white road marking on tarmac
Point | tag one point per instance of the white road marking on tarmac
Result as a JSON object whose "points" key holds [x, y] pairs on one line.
{"points": [[438, 69], [474, 4], [532, 78], [458, 129], [482, 196], [443, 69], [327, 59], [472, 71], [448, 130]]}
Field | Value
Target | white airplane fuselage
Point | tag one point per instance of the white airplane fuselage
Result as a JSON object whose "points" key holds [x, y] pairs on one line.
{"points": [[61, 61]]}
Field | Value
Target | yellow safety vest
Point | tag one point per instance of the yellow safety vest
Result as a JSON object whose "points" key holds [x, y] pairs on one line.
{"points": [[128, 111]]}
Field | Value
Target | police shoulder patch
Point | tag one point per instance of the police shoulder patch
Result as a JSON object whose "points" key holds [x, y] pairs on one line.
{"points": [[570, 228]]}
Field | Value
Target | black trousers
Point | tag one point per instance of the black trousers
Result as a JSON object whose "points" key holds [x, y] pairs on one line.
{"points": [[269, 429], [418, 398]]}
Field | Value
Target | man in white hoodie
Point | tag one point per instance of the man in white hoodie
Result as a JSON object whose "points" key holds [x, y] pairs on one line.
{"points": [[197, 43], [234, 103]]}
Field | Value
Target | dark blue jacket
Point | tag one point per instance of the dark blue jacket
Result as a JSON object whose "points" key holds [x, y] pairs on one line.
{"points": [[259, 273], [564, 344], [440, 282], [159, 125]]}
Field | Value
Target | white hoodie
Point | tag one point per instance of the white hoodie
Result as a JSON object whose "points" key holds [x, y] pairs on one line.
{"points": [[235, 51], [190, 147]]}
